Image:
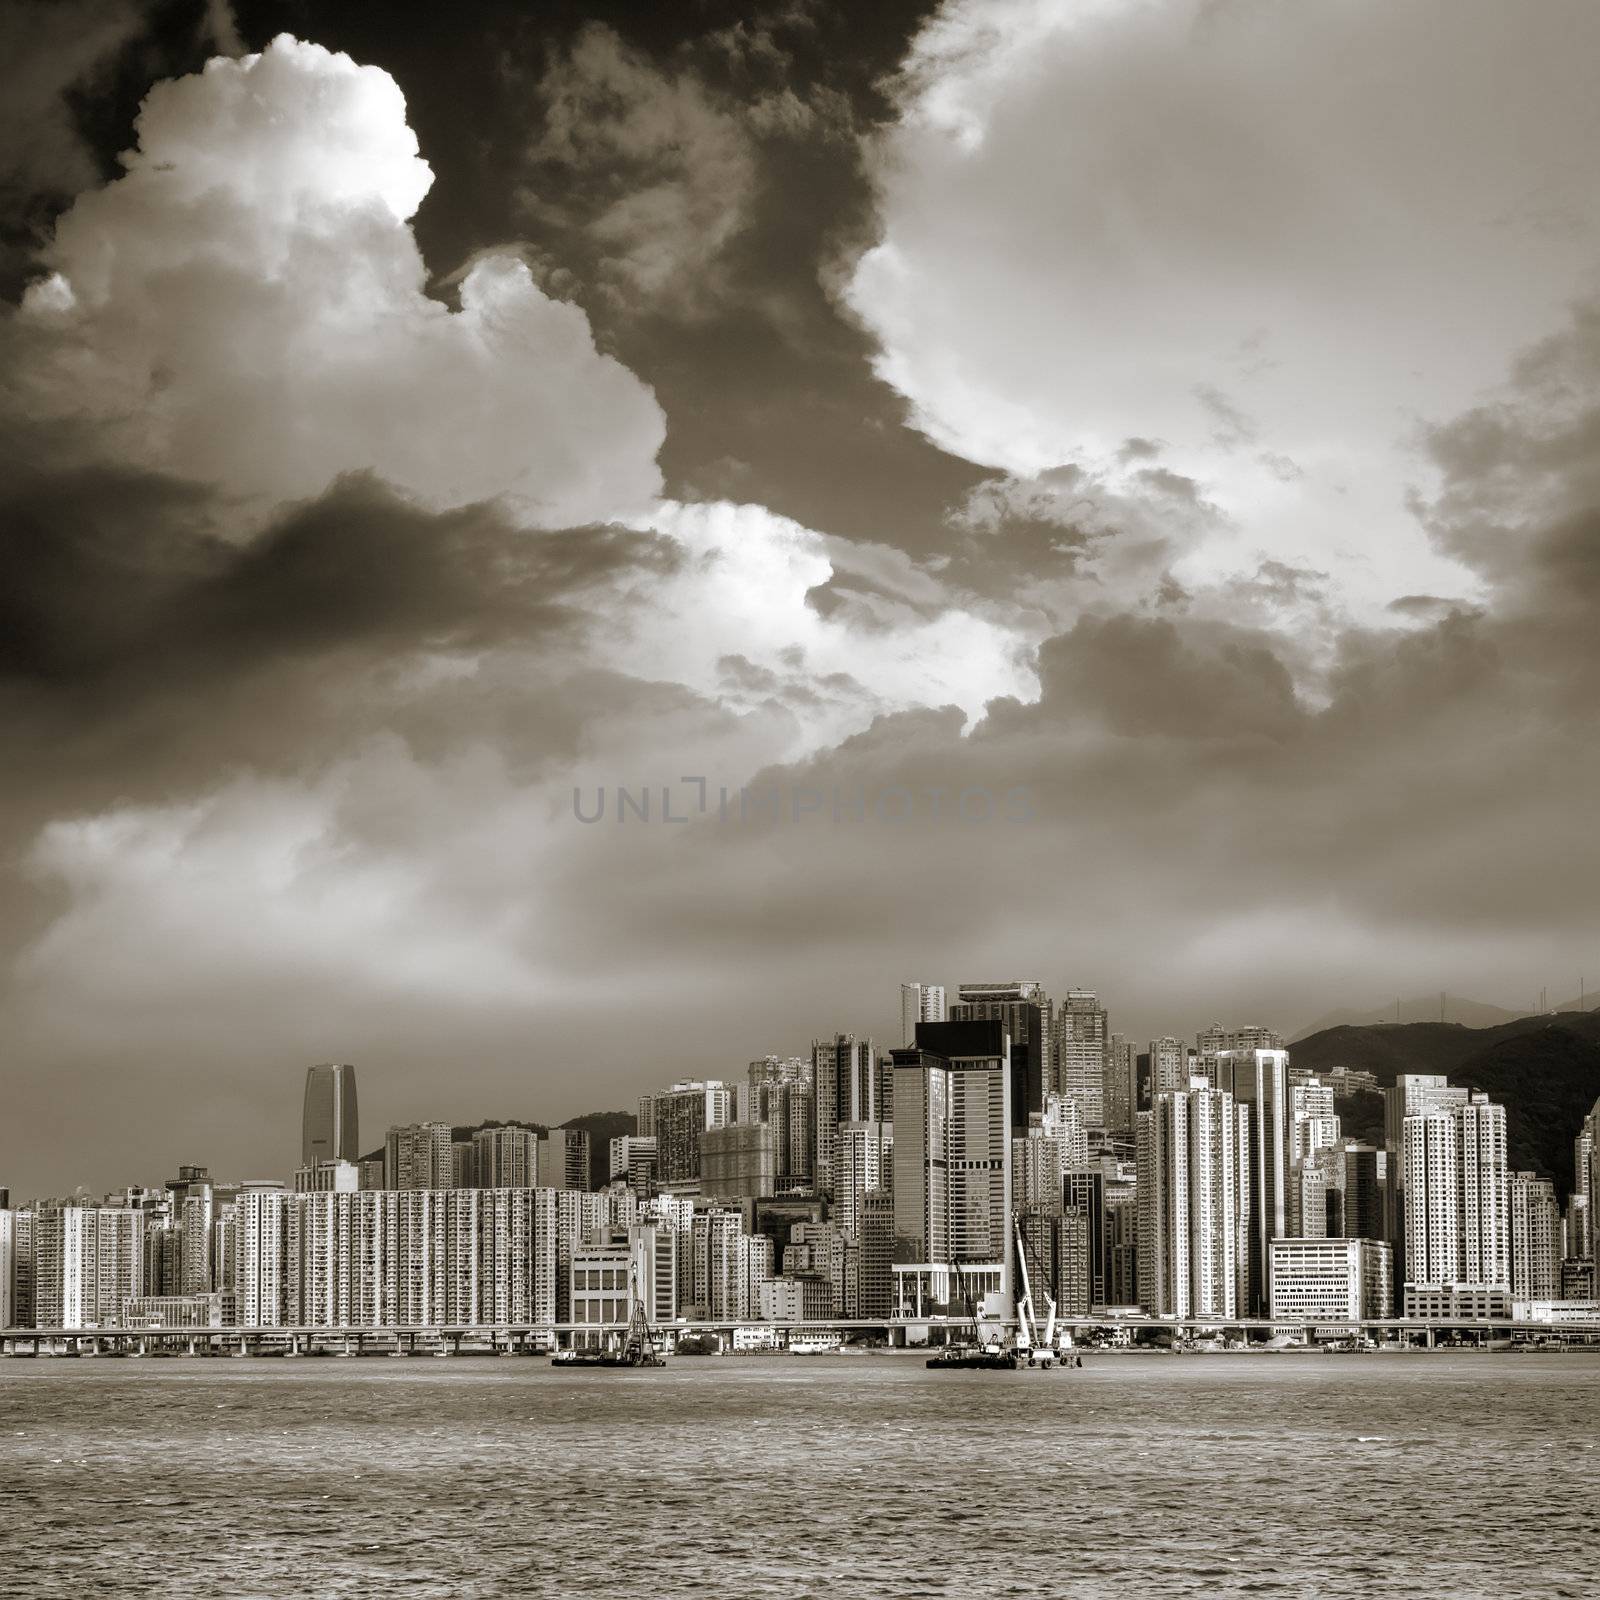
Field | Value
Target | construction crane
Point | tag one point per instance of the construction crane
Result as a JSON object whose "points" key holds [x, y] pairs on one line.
{"points": [[1040, 1351]]}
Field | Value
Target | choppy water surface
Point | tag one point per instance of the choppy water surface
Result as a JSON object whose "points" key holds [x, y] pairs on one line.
{"points": [[1312, 1476]]}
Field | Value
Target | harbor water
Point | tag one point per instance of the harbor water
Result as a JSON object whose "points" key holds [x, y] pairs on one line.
{"points": [[1314, 1476]]}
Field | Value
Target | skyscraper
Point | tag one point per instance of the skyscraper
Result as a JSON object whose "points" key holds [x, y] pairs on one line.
{"points": [[87, 1261], [1081, 1035], [1193, 1198], [1457, 1198], [782, 1092], [257, 1268], [329, 1129], [563, 1159], [1535, 1238], [1028, 1015], [849, 1089], [952, 1163], [919, 1002], [1258, 1080]]}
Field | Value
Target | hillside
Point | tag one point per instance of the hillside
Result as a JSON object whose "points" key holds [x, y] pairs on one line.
{"points": [[1424, 1008], [1544, 1070]]}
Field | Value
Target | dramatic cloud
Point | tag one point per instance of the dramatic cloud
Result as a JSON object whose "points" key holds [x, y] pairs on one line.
{"points": [[1268, 239], [246, 307]]}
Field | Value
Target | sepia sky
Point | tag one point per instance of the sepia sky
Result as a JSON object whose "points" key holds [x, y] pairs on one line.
{"points": [[1183, 412]]}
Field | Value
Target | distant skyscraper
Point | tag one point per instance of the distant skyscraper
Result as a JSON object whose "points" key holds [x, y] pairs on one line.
{"points": [[329, 1128], [563, 1161], [782, 1091], [739, 1161], [919, 1002], [8, 1266], [860, 1168], [193, 1209]]}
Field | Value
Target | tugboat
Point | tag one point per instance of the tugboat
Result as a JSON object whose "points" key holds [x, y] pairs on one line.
{"points": [[638, 1348]]}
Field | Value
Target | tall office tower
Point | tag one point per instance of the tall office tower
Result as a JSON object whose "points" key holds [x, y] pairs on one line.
{"points": [[1171, 1065], [919, 1002], [676, 1118], [193, 1199], [1081, 1036], [1192, 1194], [875, 1263], [1485, 1193], [329, 1127], [505, 1158], [418, 1156], [87, 1261], [860, 1169], [1535, 1222], [257, 1270], [1085, 1190], [1258, 1081], [952, 1163], [1313, 1122], [782, 1092], [1028, 1016], [564, 1159], [8, 1266], [1118, 1090], [1432, 1198], [1369, 1191], [739, 1161], [845, 1070]]}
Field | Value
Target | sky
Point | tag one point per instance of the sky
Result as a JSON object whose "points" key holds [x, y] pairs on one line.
{"points": [[1101, 491]]}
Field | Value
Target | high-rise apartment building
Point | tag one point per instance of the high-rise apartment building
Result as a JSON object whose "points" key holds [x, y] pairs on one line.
{"points": [[1457, 1197], [1172, 1065], [1082, 1034], [256, 1272], [633, 1161], [739, 1161], [863, 1165], [1257, 1078], [919, 1002], [88, 1260], [329, 1126], [952, 1164], [849, 1088], [193, 1202], [1535, 1222], [8, 1266], [418, 1156], [1193, 1203], [782, 1093], [505, 1158], [676, 1118], [1119, 1092]]}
